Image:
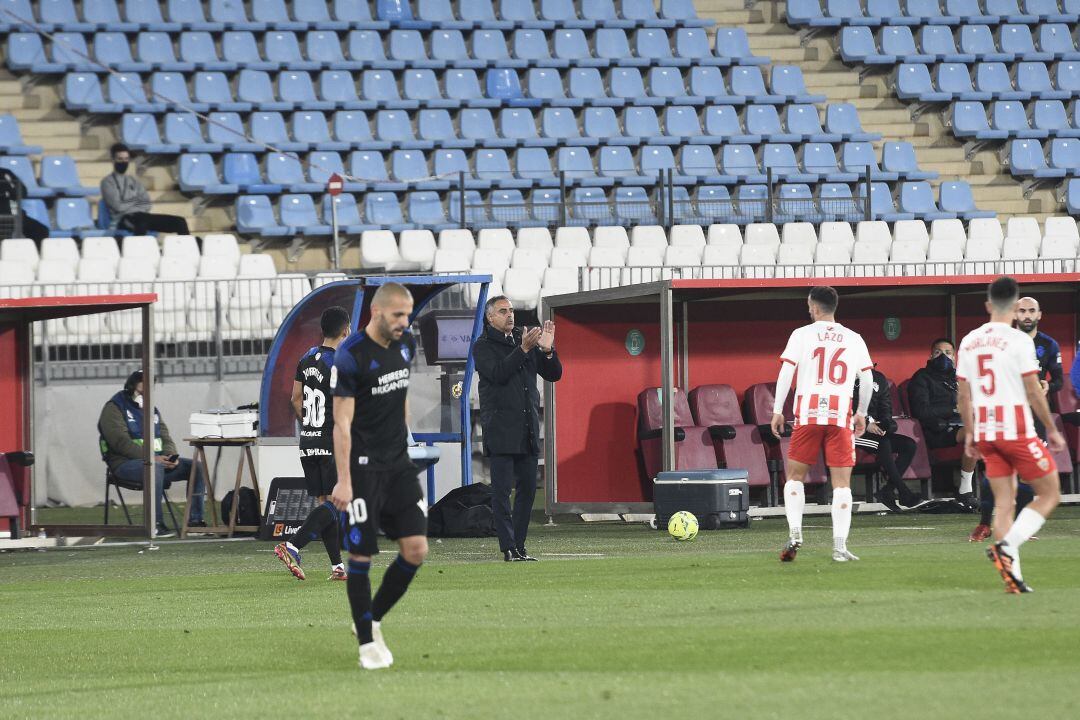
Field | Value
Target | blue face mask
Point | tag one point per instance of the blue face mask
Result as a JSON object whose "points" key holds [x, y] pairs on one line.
{"points": [[942, 363]]}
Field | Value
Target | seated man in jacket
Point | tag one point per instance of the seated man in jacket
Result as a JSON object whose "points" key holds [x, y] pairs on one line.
{"points": [[882, 440], [120, 428], [932, 397]]}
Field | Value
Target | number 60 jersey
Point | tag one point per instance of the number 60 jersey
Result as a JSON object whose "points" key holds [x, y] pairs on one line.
{"points": [[317, 424], [828, 357]]}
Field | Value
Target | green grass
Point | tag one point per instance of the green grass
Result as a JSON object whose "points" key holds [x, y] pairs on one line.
{"points": [[615, 622]]}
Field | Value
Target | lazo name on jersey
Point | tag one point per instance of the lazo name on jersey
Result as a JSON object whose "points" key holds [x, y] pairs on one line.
{"points": [[392, 381]]}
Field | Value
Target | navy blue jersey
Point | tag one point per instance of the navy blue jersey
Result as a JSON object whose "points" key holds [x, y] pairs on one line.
{"points": [[378, 378], [1049, 355], [317, 424]]}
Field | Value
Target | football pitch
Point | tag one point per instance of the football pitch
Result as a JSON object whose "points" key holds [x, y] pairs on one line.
{"points": [[616, 621]]}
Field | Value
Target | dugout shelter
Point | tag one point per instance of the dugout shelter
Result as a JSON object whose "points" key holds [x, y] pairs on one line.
{"points": [[17, 316], [687, 333], [300, 329]]}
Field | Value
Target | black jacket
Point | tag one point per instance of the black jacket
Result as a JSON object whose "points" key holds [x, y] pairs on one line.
{"points": [[932, 397], [509, 400], [880, 409]]}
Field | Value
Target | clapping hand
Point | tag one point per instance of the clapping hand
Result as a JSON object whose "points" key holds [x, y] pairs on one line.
{"points": [[547, 337], [530, 338]]}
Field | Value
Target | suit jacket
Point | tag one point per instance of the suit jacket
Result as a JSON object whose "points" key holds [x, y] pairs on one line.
{"points": [[880, 409], [509, 400]]}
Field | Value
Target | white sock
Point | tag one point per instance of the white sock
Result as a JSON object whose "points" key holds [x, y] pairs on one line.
{"points": [[841, 517], [1027, 523], [339, 566], [965, 481], [794, 500], [291, 546]]}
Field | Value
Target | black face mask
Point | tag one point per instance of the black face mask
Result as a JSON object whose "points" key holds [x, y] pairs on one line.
{"points": [[942, 364], [120, 167]]}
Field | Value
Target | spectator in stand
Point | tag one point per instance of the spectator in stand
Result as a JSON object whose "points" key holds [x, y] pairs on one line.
{"points": [[128, 202], [882, 440], [932, 397]]}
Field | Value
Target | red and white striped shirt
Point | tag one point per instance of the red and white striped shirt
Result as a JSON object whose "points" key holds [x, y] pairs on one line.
{"points": [[993, 360], [828, 357]]}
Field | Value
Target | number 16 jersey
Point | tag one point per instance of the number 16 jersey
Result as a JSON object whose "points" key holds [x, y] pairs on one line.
{"points": [[317, 423], [828, 357]]}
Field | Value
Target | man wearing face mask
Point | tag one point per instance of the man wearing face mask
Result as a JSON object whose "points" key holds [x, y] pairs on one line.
{"points": [[932, 396], [128, 202], [120, 429]]}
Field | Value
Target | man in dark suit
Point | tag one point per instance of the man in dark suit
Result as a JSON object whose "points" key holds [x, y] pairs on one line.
{"points": [[894, 452], [508, 359]]}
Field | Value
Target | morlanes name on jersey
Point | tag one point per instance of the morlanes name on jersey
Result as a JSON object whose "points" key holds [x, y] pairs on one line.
{"points": [[391, 381]]}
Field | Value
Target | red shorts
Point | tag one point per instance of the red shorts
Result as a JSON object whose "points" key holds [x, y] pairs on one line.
{"points": [[1029, 458], [807, 441]]}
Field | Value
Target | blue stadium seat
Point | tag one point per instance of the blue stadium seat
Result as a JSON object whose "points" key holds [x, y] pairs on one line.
{"points": [[297, 213], [848, 12], [617, 162], [296, 89], [171, 88], [682, 11], [396, 11], [368, 166], [857, 46], [652, 44], [1016, 41], [73, 215], [284, 169], [977, 42], [968, 119], [105, 14], [748, 82], [232, 15], [917, 199], [955, 197], [882, 205], [545, 84], [1055, 39], [1072, 197], [1066, 79], [682, 123], [764, 120], [411, 166], [58, 173], [283, 49], [1048, 117], [139, 131], [517, 124], [613, 46], [591, 204], [795, 203], [126, 92], [147, 15], [317, 15], [238, 47], [560, 125], [25, 52], [347, 211], [1010, 117], [425, 208], [493, 165], [189, 15], [692, 46], [642, 123], [697, 164], [856, 157], [11, 141], [819, 158], [35, 208], [323, 49], [626, 83], [809, 13], [408, 47], [519, 12], [274, 14], [337, 87], [448, 46], [966, 11], [1006, 11], [351, 126], [739, 161], [531, 45], [937, 42], [750, 202], [69, 50], [586, 84], [502, 84], [577, 165], [380, 86], [269, 128], [384, 210], [312, 129], [544, 204], [242, 170], [835, 202], [155, 50], [198, 174], [507, 206], [534, 164], [1047, 11], [571, 45], [478, 125], [321, 165], [226, 129], [255, 89], [474, 207], [600, 123], [490, 46], [899, 157], [462, 85], [780, 158], [713, 202], [422, 87], [898, 42], [632, 205], [992, 81], [1026, 158], [787, 82], [913, 83], [184, 130], [801, 119], [707, 84], [733, 45], [50, 12], [563, 13], [254, 214], [723, 121], [666, 83], [82, 90], [1033, 79], [366, 46], [843, 119], [436, 128], [953, 80], [1064, 155]]}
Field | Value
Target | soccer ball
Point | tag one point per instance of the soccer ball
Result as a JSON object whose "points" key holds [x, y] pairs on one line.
{"points": [[683, 526]]}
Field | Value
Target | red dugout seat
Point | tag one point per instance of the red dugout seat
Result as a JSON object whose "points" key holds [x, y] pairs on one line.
{"points": [[693, 444], [737, 444], [757, 409], [15, 489]]}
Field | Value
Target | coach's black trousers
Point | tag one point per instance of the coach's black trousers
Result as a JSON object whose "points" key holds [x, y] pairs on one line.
{"points": [[513, 472], [895, 467], [141, 223]]}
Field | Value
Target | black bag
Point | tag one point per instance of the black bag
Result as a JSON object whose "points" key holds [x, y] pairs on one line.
{"points": [[247, 513], [463, 512]]}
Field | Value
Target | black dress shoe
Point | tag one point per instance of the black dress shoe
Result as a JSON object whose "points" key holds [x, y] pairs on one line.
{"points": [[886, 497], [910, 499], [512, 556], [197, 524], [522, 555]]}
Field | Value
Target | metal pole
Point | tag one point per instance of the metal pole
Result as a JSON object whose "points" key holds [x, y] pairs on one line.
{"points": [[670, 197], [149, 483], [868, 208], [684, 346], [562, 198], [219, 341], [667, 381], [769, 195], [337, 240], [659, 201], [461, 196]]}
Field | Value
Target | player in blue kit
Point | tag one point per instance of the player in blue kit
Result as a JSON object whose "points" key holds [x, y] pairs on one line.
{"points": [[377, 484]]}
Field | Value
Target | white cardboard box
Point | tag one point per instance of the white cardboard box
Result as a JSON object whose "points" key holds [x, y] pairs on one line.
{"points": [[223, 424]]}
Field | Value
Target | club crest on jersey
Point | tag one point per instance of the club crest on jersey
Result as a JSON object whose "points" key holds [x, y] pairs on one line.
{"points": [[405, 354], [1043, 463]]}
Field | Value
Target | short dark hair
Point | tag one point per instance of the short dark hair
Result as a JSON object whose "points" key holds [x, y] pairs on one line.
{"points": [[491, 304], [334, 320], [940, 340], [118, 148], [825, 298], [1003, 292], [133, 379]]}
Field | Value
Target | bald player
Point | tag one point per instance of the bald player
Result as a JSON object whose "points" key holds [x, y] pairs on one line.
{"points": [[1051, 379]]}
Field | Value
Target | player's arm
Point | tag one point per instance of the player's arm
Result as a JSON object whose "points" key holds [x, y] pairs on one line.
{"points": [[297, 399], [1057, 375], [1041, 408], [967, 415], [344, 407], [783, 387], [866, 380]]}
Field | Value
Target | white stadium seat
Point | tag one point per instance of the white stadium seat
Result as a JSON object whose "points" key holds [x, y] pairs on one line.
{"points": [[911, 231], [573, 237], [983, 230], [1023, 227], [951, 230], [643, 264], [472, 291], [757, 254], [908, 251], [569, 257], [289, 289], [870, 251], [325, 278], [1057, 246], [490, 261], [104, 248], [559, 281], [794, 254], [799, 233], [379, 249], [762, 234], [536, 239], [873, 231], [684, 256], [945, 249], [1023, 247], [614, 237], [417, 249], [20, 249], [652, 236], [1064, 227], [688, 236], [603, 264], [55, 278], [451, 261], [458, 240], [720, 255], [837, 233], [16, 278], [500, 238], [831, 253], [62, 249], [522, 287], [529, 258], [143, 246], [221, 245], [725, 234]]}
